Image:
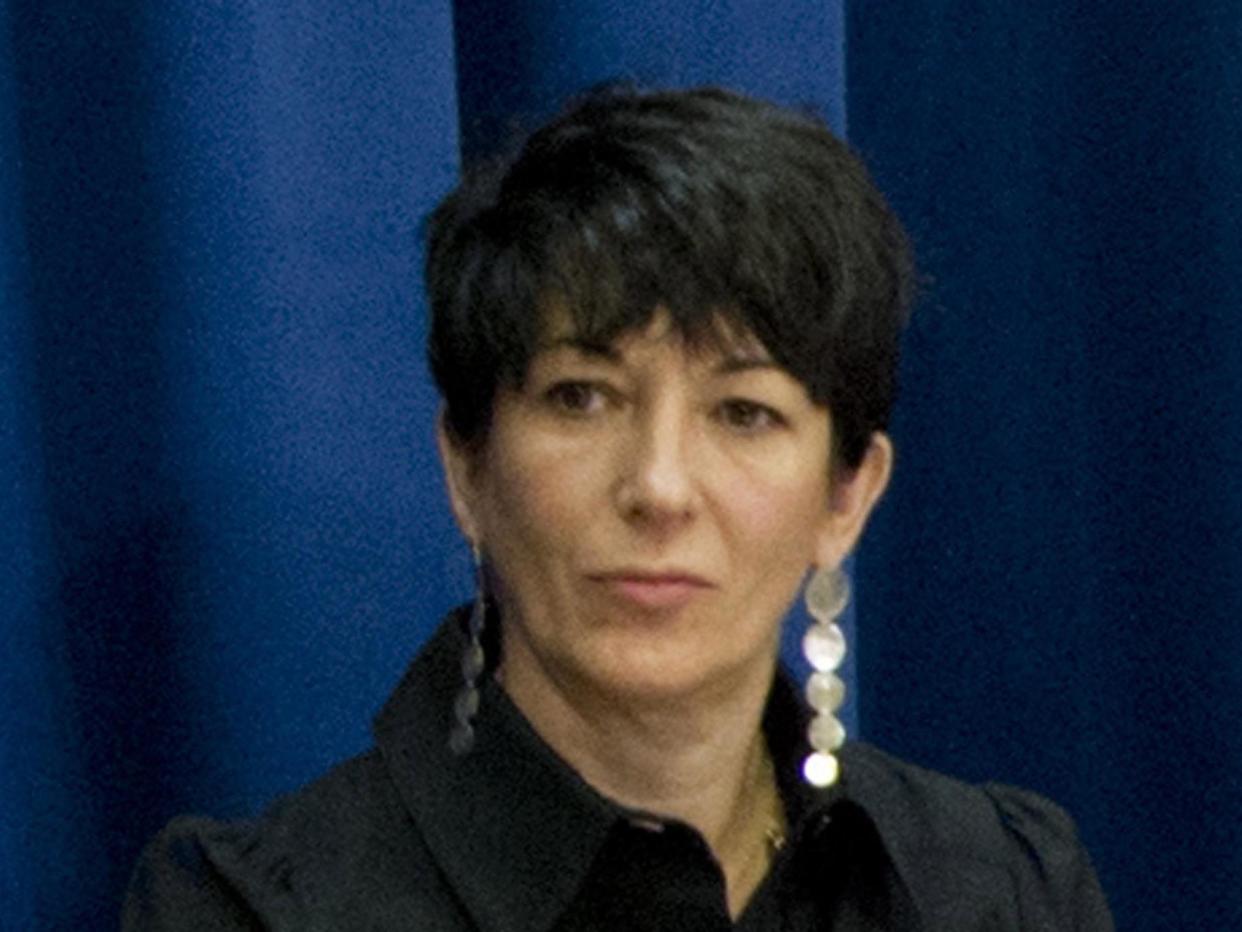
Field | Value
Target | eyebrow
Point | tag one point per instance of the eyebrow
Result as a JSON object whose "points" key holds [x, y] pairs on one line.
{"points": [[732, 364], [586, 347], [727, 366]]}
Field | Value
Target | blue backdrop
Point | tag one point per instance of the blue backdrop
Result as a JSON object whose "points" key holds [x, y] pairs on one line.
{"points": [[222, 521], [1053, 587]]}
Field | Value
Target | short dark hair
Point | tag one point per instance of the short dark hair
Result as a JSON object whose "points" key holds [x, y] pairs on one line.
{"points": [[716, 207]]}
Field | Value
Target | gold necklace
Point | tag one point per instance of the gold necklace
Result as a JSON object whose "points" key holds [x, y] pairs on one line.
{"points": [[768, 811], [774, 836], [774, 833]]}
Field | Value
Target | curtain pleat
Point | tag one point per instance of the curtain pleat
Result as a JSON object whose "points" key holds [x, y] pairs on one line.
{"points": [[227, 533], [1053, 585]]}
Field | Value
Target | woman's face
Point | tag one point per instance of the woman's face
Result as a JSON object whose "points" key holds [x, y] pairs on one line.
{"points": [[648, 511]]}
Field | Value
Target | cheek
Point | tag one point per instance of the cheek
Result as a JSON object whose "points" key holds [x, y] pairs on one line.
{"points": [[780, 530], [534, 500], [778, 506]]}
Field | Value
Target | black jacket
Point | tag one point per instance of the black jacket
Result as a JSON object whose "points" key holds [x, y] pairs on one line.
{"points": [[409, 836]]}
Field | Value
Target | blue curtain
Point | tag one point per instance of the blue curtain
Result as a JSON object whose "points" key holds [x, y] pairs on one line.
{"points": [[1053, 587], [222, 521], [226, 530]]}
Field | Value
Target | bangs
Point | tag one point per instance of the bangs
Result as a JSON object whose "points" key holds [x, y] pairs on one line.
{"points": [[736, 219], [612, 258], [603, 286]]}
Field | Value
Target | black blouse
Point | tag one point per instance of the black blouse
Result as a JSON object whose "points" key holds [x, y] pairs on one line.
{"points": [[409, 836]]}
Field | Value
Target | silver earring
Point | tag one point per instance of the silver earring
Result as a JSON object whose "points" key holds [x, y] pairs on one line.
{"points": [[466, 705], [827, 594]]}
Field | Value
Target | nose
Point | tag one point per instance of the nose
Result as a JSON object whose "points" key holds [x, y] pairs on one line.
{"points": [[656, 485]]}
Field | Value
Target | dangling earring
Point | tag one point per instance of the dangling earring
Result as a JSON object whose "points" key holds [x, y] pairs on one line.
{"points": [[827, 594], [466, 705]]}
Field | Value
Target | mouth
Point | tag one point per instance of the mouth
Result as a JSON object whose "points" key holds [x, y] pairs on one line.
{"points": [[663, 590]]}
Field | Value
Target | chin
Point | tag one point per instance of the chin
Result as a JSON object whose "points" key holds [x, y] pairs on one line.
{"points": [[670, 675]]}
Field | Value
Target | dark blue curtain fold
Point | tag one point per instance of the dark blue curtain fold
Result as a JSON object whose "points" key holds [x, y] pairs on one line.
{"points": [[227, 531], [220, 509], [1053, 585], [520, 60]]}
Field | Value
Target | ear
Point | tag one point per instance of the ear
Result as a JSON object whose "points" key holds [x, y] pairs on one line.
{"points": [[459, 476], [852, 497]]}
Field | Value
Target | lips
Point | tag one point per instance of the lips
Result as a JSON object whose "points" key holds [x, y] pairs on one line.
{"points": [[653, 590]]}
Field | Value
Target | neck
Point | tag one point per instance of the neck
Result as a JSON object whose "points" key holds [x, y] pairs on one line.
{"points": [[700, 759]]}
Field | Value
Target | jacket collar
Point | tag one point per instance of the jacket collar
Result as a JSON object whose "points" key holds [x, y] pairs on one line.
{"points": [[513, 827]]}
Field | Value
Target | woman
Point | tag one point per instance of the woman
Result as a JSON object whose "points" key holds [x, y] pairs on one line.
{"points": [[665, 334]]}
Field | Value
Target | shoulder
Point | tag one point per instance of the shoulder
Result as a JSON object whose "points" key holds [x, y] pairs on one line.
{"points": [[955, 842], [340, 849], [932, 809]]}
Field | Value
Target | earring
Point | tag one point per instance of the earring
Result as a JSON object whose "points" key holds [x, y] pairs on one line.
{"points": [[827, 594], [473, 660]]}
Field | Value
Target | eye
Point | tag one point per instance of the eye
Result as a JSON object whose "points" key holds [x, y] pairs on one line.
{"points": [[575, 398], [750, 417]]}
